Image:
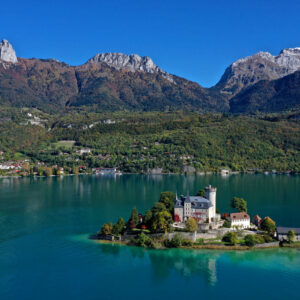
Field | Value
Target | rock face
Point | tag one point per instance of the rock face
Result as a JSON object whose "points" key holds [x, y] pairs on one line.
{"points": [[269, 95], [131, 63], [261, 66], [7, 52]]}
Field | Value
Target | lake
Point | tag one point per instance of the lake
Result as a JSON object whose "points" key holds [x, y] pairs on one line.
{"points": [[45, 252]]}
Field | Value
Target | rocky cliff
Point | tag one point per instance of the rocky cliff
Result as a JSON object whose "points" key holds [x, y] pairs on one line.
{"points": [[261, 66], [7, 52]]}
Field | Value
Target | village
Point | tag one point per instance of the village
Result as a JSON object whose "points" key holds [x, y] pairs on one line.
{"points": [[194, 221]]}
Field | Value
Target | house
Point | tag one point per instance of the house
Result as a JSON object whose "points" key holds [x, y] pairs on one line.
{"points": [[282, 233], [84, 151], [202, 209], [225, 172], [257, 220], [240, 220]]}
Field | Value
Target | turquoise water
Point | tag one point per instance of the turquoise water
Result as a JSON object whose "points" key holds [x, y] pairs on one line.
{"points": [[45, 252]]}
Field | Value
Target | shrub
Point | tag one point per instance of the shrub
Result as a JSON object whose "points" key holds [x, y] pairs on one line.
{"points": [[230, 238], [226, 224], [291, 236], [250, 240], [199, 241], [267, 238], [143, 240], [175, 242]]}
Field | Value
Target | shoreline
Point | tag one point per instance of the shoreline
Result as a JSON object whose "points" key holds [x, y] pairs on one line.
{"points": [[146, 174], [204, 247]]}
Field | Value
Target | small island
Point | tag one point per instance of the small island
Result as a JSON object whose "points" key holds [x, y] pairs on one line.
{"points": [[195, 222]]}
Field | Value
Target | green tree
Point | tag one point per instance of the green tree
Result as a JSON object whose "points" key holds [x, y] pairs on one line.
{"points": [[158, 207], [268, 225], [106, 229], [148, 218], [239, 204], [291, 236], [134, 217], [191, 225], [119, 227], [168, 199], [162, 221], [201, 193], [250, 240], [230, 238]]}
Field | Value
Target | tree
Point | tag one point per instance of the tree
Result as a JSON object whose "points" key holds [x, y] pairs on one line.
{"points": [[158, 207], [226, 224], [268, 225], [201, 193], [191, 225], [239, 204], [230, 238], [119, 227], [134, 217], [106, 229], [148, 218], [168, 199], [162, 221], [291, 236], [250, 240]]}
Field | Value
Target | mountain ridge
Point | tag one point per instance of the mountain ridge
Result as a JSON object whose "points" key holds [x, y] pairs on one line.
{"points": [[117, 81]]}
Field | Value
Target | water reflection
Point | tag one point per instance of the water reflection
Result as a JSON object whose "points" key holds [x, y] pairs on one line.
{"points": [[163, 262], [205, 263], [186, 262]]}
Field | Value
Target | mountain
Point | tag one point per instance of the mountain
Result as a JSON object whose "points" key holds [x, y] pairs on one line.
{"points": [[116, 81], [269, 95], [107, 82], [261, 66], [7, 52]]}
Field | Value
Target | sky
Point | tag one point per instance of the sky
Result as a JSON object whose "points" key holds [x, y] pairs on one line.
{"points": [[193, 39]]}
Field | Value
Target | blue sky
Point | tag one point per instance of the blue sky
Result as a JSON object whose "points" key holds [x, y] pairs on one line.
{"points": [[193, 39]]}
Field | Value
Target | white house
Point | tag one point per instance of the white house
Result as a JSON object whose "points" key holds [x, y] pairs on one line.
{"points": [[240, 220]]}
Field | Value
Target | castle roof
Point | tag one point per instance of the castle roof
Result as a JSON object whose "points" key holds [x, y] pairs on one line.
{"points": [[196, 202]]}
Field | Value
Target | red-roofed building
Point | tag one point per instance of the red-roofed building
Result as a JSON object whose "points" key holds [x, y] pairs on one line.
{"points": [[240, 220], [257, 220]]}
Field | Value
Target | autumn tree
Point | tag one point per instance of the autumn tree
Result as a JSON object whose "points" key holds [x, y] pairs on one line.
{"points": [[191, 225], [106, 229], [268, 225]]}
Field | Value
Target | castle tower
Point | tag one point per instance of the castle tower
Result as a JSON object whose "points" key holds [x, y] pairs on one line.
{"points": [[211, 195], [187, 207]]}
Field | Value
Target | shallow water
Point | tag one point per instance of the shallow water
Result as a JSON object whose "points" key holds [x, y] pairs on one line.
{"points": [[45, 252]]}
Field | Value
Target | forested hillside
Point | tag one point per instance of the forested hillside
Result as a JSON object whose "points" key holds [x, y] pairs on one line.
{"points": [[139, 142]]}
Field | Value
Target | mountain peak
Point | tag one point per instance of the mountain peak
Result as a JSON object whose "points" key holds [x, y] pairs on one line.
{"points": [[7, 52], [132, 62], [260, 66]]}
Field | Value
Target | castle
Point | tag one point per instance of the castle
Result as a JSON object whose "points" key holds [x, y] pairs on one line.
{"points": [[202, 209]]}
